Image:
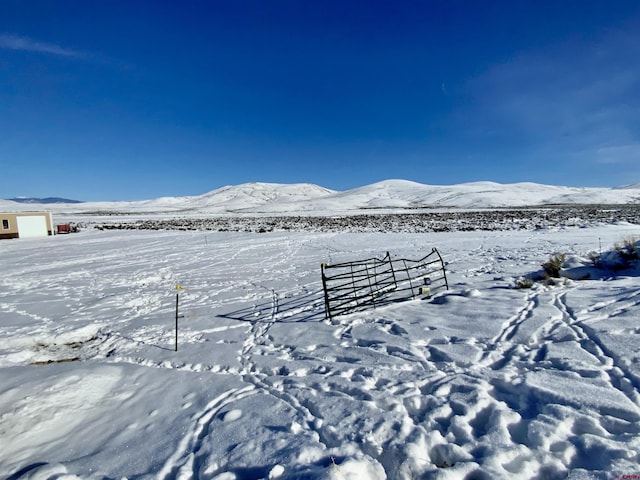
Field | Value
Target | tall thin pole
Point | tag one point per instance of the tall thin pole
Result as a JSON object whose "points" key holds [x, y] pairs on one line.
{"points": [[177, 299]]}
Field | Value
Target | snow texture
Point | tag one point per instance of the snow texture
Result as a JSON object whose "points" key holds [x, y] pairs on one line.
{"points": [[485, 380]]}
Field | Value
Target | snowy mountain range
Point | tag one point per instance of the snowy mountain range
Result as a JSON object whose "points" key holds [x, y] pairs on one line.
{"points": [[388, 195], [43, 201]]}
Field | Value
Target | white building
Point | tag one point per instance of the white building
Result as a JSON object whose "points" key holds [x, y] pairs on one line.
{"points": [[25, 224]]}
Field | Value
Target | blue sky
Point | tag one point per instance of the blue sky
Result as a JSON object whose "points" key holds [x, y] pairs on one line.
{"points": [[128, 100]]}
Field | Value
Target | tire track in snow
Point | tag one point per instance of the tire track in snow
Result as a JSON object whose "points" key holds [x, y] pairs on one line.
{"points": [[185, 461], [258, 342], [551, 312], [620, 377], [250, 371], [258, 333], [496, 355], [517, 349]]}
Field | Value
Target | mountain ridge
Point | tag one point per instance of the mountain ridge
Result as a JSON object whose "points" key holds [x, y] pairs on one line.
{"points": [[392, 194], [43, 201]]}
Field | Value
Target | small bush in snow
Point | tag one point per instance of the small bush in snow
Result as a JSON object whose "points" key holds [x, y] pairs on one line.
{"points": [[594, 258], [553, 266], [628, 250], [623, 255], [560, 269], [524, 282]]}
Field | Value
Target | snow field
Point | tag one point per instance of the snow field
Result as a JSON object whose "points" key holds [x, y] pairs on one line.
{"points": [[482, 381]]}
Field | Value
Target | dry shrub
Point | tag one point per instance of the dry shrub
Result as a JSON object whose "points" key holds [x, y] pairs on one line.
{"points": [[628, 250], [553, 266]]}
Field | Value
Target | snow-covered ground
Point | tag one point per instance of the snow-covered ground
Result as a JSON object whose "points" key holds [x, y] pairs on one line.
{"points": [[482, 381]]}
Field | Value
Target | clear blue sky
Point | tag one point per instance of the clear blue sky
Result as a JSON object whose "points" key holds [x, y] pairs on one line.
{"points": [[127, 100]]}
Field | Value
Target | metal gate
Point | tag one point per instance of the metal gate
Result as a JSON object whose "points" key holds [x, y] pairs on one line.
{"points": [[362, 284]]}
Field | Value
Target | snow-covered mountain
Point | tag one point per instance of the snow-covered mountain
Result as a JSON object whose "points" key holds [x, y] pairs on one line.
{"points": [[305, 198], [250, 196], [402, 194], [631, 186], [43, 200]]}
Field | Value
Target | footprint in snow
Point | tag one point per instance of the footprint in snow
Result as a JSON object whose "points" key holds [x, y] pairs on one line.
{"points": [[232, 415]]}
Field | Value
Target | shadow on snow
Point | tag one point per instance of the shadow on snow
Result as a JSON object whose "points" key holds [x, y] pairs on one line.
{"points": [[302, 308]]}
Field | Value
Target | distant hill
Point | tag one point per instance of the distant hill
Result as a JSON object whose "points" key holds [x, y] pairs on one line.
{"points": [[386, 196], [46, 200]]}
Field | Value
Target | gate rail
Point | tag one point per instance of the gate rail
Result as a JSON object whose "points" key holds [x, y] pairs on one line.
{"points": [[370, 283]]}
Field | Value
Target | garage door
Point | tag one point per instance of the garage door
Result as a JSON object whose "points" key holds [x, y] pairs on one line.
{"points": [[32, 226]]}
